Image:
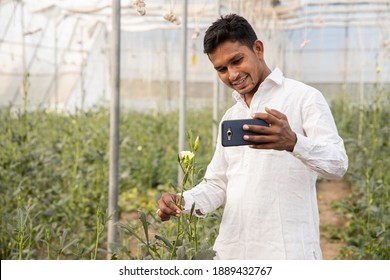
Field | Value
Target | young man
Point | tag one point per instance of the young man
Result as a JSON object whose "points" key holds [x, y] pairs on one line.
{"points": [[268, 189]]}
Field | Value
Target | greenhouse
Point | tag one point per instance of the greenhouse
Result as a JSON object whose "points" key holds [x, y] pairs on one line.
{"points": [[99, 98], [64, 46]]}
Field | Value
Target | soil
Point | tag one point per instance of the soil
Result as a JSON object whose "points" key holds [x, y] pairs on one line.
{"points": [[329, 192]]}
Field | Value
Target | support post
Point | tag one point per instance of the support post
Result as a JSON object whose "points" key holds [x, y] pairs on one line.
{"points": [[114, 127], [183, 86]]}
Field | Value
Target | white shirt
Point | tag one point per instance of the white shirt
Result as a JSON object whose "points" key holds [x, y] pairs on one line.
{"points": [[269, 196]]}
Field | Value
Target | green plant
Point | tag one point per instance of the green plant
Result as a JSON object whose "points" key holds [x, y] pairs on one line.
{"points": [[365, 128], [186, 243], [57, 166]]}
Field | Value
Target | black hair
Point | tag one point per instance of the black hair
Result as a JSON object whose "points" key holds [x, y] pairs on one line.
{"points": [[231, 27]]}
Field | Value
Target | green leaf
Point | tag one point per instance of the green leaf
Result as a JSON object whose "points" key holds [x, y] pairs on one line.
{"points": [[132, 232], [142, 217], [192, 210], [69, 244], [166, 241]]}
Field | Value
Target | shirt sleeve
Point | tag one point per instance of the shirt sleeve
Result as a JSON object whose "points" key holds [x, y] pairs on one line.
{"points": [[211, 192], [320, 147]]}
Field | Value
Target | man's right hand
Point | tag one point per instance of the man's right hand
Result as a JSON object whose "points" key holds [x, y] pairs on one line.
{"points": [[168, 206]]}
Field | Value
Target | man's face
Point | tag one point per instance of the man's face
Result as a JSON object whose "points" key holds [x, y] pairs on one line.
{"points": [[239, 67]]}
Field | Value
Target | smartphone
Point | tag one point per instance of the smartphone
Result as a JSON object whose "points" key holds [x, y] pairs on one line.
{"points": [[232, 132]]}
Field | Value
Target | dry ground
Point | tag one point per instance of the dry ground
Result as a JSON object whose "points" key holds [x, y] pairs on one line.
{"points": [[329, 192]]}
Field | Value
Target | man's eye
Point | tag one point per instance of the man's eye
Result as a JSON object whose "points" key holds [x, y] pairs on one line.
{"points": [[237, 61], [221, 70]]}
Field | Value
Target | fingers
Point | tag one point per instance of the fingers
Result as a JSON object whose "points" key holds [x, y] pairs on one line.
{"points": [[168, 206], [263, 130], [271, 116], [278, 135], [276, 113]]}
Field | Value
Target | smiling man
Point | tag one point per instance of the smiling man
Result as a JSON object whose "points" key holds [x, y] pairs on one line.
{"points": [[268, 189]]}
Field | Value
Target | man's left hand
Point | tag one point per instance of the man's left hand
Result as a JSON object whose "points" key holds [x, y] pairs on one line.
{"points": [[277, 136]]}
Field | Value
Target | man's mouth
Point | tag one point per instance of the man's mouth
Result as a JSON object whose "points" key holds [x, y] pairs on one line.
{"points": [[241, 82]]}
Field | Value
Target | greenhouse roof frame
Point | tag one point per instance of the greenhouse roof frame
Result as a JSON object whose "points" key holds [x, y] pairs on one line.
{"points": [[93, 16]]}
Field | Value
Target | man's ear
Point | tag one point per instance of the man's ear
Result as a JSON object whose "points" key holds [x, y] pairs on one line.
{"points": [[258, 48]]}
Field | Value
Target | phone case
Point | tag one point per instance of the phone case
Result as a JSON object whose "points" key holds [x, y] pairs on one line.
{"points": [[232, 132]]}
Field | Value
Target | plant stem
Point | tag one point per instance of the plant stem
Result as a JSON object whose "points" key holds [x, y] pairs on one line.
{"points": [[97, 235], [179, 232], [21, 242]]}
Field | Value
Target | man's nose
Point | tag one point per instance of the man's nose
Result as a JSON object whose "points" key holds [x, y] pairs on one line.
{"points": [[233, 74]]}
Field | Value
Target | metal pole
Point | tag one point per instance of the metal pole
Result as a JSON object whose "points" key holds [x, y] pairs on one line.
{"points": [[24, 79], [216, 92], [55, 64], [183, 86], [346, 52], [114, 127]]}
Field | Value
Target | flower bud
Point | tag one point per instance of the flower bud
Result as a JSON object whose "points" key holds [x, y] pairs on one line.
{"points": [[196, 144]]}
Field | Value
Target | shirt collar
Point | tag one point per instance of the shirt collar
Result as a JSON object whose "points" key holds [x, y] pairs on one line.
{"points": [[276, 76]]}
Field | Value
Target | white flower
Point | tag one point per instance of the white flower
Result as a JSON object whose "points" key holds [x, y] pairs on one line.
{"points": [[139, 148], [185, 154]]}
